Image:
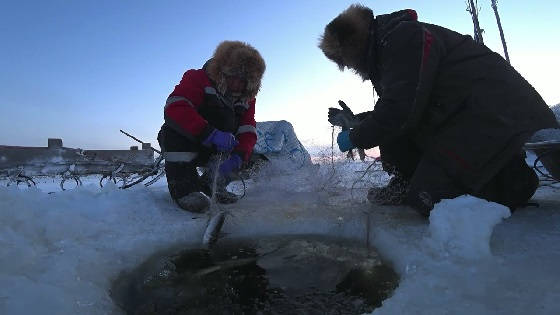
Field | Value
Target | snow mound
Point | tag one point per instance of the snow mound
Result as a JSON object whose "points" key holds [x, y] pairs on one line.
{"points": [[462, 227]]}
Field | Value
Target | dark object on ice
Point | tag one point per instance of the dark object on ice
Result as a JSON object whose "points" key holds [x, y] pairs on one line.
{"points": [[458, 111], [280, 275]]}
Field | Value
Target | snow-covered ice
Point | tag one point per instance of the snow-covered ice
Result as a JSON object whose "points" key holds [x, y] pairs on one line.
{"points": [[455, 233], [59, 252]]}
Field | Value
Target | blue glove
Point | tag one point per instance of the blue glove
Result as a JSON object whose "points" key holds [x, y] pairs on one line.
{"points": [[343, 140], [224, 141], [230, 165]]}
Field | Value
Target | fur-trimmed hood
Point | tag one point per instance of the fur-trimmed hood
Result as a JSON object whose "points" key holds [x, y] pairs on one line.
{"points": [[240, 59], [349, 39], [345, 40]]}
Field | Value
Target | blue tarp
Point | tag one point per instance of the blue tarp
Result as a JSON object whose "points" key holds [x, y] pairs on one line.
{"points": [[277, 140]]}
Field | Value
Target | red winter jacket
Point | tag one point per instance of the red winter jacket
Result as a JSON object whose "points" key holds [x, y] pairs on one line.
{"points": [[195, 108]]}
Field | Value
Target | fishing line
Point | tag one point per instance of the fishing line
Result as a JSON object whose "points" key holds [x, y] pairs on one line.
{"points": [[215, 179], [359, 179], [333, 170], [332, 147]]}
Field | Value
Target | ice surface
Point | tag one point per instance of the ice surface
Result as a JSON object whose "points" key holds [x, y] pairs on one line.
{"points": [[59, 252]]}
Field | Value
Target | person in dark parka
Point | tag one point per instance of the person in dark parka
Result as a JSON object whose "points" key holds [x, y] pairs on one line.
{"points": [[451, 118]]}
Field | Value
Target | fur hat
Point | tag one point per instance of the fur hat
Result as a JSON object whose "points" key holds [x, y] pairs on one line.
{"points": [[345, 38], [240, 59]]}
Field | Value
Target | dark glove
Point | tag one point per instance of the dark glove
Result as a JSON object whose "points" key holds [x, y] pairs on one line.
{"points": [[344, 117], [224, 141], [230, 165], [344, 142]]}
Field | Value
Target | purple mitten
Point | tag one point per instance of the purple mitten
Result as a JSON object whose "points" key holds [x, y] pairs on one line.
{"points": [[224, 141], [230, 165]]}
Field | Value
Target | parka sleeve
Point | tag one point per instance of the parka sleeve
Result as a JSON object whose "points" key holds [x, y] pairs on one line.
{"points": [[247, 132], [409, 63], [180, 111]]}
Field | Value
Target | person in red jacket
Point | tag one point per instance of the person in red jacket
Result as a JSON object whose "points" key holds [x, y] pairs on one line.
{"points": [[210, 119]]}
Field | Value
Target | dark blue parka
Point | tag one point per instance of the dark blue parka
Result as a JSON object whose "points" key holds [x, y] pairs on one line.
{"points": [[462, 104]]}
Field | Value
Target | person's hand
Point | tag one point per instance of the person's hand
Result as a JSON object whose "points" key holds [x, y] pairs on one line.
{"points": [[224, 141], [344, 142], [342, 117], [232, 164], [336, 117]]}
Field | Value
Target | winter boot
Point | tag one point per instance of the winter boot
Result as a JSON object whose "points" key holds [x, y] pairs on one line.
{"points": [[392, 194], [194, 202]]}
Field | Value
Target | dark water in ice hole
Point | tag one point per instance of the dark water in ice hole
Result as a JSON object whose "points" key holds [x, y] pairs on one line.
{"points": [[273, 275]]}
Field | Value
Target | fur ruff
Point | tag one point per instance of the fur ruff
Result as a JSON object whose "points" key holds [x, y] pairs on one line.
{"points": [[345, 38], [240, 59]]}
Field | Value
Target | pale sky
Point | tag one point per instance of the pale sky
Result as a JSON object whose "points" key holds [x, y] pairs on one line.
{"points": [[82, 70]]}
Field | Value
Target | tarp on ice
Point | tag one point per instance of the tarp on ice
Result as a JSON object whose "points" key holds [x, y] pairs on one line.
{"points": [[277, 141]]}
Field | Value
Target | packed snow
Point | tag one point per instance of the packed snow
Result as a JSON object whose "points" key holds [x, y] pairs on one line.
{"points": [[60, 250]]}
